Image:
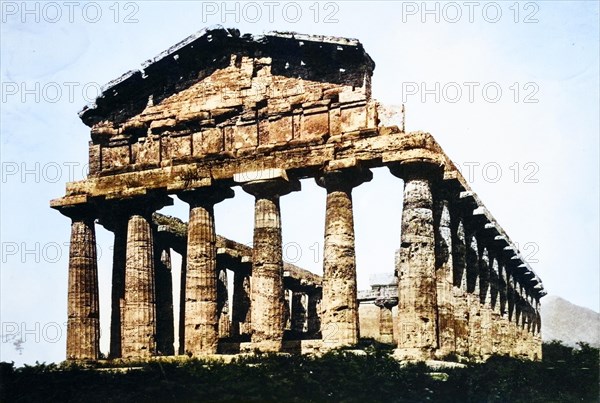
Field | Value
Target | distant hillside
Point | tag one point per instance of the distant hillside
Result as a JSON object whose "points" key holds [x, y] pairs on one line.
{"points": [[569, 323]]}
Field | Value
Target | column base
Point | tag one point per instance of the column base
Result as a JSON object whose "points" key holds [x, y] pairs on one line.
{"points": [[412, 354], [267, 346]]}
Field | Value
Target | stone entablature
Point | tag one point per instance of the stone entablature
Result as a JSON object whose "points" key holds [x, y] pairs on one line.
{"points": [[162, 132]]}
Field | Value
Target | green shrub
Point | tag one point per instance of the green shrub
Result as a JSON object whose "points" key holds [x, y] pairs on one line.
{"points": [[565, 375]]}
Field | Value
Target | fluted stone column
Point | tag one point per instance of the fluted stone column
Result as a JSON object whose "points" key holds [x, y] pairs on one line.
{"points": [[503, 305], [299, 312], [241, 322], [164, 302], [139, 315], [267, 293], [444, 276], [417, 300], [83, 323], [138, 326], [224, 325], [473, 295], [495, 307], [313, 320], [485, 297], [118, 284], [201, 312], [461, 306], [386, 320], [339, 321], [182, 285]]}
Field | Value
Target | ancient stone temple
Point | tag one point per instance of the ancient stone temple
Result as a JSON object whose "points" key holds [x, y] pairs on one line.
{"points": [[220, 110]]}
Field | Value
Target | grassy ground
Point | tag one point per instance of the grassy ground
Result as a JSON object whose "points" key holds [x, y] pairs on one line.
{"points": [[565, 375]]}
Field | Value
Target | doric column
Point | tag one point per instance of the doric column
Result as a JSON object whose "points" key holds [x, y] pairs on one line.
{"points": [[504, 326], [417, 307], [299, 310], [473, 295], [461, 307], [83, 323], [240, 325], [224, 325], [485, 296], [267, 293], [201, 312], [313, 319], [444, 275], [118, 283], [165, 335], [386, 320], [138, 335], [339, 304], [182, 285], [497, 347]]}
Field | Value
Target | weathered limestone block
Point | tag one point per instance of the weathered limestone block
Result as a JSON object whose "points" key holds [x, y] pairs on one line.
{"points": [[339, 320], [275, 131], [207, 142], [201, 311], [116, 156], [353, 117], [94, 158], [138, 337], [165, 336], [175, 147], [83, 323], [241, 136], [416, 270], [314, 124], [267, 294], [146, 151]]}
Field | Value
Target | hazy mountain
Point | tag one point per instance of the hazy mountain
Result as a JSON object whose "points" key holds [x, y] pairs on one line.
{"points": [[569, 323]]}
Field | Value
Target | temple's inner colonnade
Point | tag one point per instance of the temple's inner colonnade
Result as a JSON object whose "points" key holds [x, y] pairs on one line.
{"points": [[221, 109]]}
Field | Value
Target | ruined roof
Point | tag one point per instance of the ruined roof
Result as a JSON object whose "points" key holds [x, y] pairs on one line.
{"points": [[312, 57]]}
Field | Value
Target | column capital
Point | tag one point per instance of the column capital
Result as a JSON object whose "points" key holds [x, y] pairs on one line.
{"points": [[388, 302], [78, 212], [206, 196], [344, 179], [113, 212], [272, 187], [419, 168]]}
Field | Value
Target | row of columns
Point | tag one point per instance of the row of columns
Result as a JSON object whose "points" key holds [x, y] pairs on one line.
{"points": [[457, 292], [141, 271], [446, 301]]}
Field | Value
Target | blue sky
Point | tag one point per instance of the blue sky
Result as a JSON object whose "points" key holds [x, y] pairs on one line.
{"points": [[532, 147]]}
